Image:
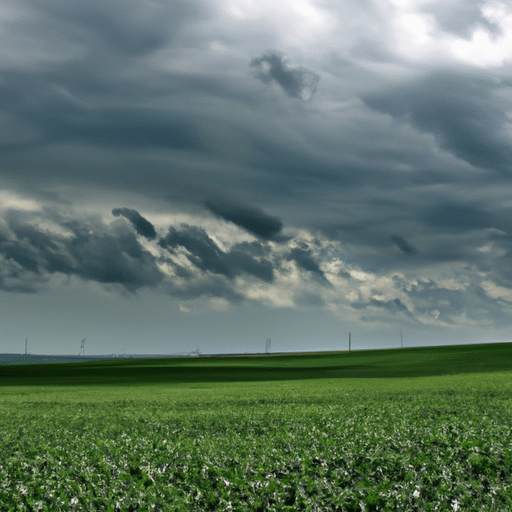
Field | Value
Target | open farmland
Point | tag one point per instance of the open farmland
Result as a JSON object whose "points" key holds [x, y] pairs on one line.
{"points": [[412, 429]]}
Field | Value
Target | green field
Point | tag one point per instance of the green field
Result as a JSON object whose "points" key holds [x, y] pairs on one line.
{"points": [[409, 429]]}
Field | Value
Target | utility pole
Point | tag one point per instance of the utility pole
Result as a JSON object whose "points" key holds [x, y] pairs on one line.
{"points": [[349, 341]]}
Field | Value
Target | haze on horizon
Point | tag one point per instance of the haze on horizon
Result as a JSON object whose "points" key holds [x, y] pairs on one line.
{"points": [[190, 174]]}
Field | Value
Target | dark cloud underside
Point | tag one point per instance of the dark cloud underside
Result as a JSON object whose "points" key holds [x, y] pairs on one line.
{"points": [[89, 250], [305, 261], [251, 219], [141, 225], [112, 254], [206, 255], [464, 113], [403, 245]]}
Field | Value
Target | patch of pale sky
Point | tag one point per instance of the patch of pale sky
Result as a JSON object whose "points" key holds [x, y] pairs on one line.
{"points": [[45, 225], [466, 321], [410, 4], [484, 50], [300, 22], [218, 304], [417, 36], [9, 199], [276, 295]]}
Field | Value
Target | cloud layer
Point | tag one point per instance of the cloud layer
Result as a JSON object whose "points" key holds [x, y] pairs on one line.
{"points": [[302, 270], [349, 158]]}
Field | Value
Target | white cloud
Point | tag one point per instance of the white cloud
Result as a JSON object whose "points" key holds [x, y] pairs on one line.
{"points": [[9, 199], [299, 22], [485, 49], [496, 291]]}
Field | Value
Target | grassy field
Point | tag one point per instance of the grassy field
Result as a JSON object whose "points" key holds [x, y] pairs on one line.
{"points": [[412, 429], [368, 364]]}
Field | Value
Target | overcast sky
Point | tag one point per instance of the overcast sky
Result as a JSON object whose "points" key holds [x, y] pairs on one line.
{"points": [[205, 174]]}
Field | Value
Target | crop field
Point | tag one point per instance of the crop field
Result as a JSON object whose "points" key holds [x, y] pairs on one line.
{"points": [[391, 430]]}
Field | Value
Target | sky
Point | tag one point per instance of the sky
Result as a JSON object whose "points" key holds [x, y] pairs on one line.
{"points": [[180, 175]]}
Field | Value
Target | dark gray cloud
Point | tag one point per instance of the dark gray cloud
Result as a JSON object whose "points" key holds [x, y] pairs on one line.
{"points": [[249, 218], [88, 249], [403, 245], [296, 82], [305, 261], [141, 225], [241, 260], [129, 28], [206, 255], [464, 112], [202, 251], [458, 216], [31, 253]]}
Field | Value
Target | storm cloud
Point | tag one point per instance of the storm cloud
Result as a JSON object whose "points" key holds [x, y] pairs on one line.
{"points": [[141, 225], [466, 114], [251, 219], [297, 82], [204, 254], [357, 173], [42, 245], [305, 260], [403, 244]]}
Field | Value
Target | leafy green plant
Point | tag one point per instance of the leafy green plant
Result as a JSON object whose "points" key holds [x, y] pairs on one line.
{"points": [[367, 450], [179, 442]]}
